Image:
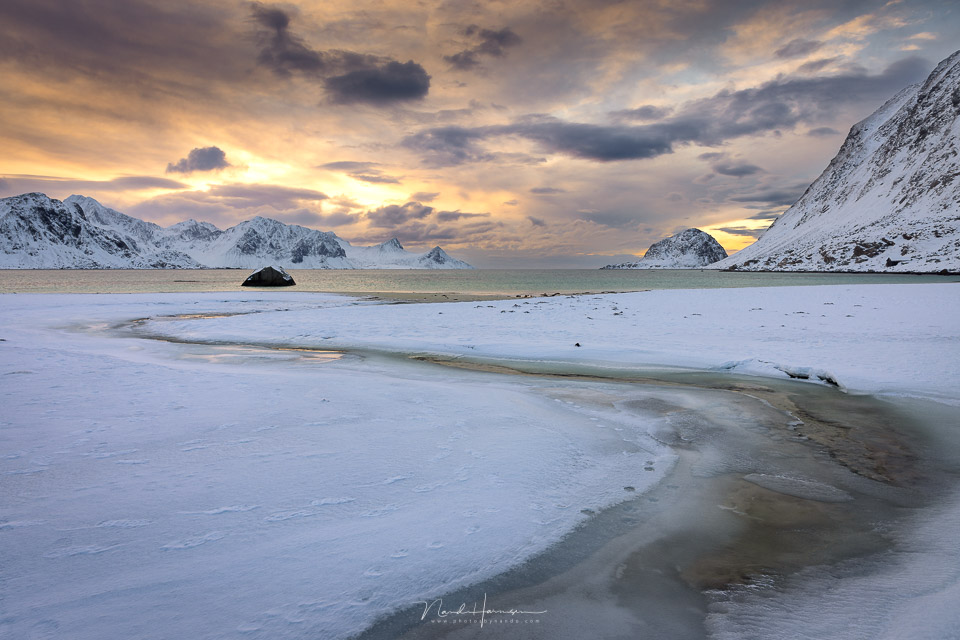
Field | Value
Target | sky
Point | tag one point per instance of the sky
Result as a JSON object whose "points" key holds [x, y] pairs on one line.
{"points": [[542, 134]]}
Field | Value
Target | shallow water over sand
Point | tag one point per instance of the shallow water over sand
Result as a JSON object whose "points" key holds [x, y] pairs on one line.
{"points": [[436, 285], [771, 478]]}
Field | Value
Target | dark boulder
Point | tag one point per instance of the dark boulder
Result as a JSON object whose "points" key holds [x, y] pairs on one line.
{"points": [[269, 277]]}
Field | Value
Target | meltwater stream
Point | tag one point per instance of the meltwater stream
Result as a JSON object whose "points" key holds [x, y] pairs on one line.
{"points": [[773, 481]]}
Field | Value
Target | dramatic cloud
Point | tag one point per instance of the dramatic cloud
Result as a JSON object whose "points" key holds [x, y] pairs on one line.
{"points": [[773, 197], [279, 49], [766, 215], [488, 43], [780, 104], [63, 187], [797, 48], [364, 171], [393, 215], [450, 216], [723, 164], [203, 159], [546, 191], [503, 104], [348, 77], [741, 231], [821, 132], [646, 112], [390, 82]]}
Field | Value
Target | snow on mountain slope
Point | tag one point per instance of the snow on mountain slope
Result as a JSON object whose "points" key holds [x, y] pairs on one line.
{"points": [[888, 201], [38, 232], [689, 249]]}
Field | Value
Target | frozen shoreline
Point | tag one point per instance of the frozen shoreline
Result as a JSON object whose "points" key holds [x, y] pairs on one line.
{"points": [[879, 339], [99, 428]]}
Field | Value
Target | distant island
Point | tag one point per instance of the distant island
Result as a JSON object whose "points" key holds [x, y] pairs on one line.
{"points": [[38, 232], [689, 249]]}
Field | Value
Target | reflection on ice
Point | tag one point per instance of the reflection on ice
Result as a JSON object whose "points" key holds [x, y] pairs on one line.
{"points": [[242, 355]]}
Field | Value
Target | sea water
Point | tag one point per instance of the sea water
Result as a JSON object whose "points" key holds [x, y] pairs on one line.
{"points": [[479, 282]]}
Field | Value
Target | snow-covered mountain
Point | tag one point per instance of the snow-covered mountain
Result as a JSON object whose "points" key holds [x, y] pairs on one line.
{"points": [[689, 249], [888, 201], [38, 232]]}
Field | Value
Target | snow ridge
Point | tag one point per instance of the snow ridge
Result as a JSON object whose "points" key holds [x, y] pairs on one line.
{"points": [[38, 232], [689, 249], [888, 201]]}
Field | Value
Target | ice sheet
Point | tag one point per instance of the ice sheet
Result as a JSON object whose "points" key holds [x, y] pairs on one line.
{"points": [[147, 494]]}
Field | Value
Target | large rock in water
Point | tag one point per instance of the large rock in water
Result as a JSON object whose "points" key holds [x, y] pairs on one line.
{"points": [[269, 277], [689, 249]]}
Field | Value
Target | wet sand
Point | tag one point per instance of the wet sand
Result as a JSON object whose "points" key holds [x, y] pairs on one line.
{"points": [[411, 297]]}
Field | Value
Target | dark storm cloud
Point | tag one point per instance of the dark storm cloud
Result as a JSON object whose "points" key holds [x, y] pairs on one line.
{"points": [[202, 159], [722, 164], [487, 43], [364, 171], [646, 112], [62, 187], [742, 231], [773, 197], [348, 77], [797, 48], [735, 169], [350, 166], [766, 215], [778, 105], [450, 216], [390, 82], [447, 146], [545, 191], [393, 215], [279, 49]]}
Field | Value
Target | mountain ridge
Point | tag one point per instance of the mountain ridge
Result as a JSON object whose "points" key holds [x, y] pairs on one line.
{"points": [[888, 201], [39, 232]]}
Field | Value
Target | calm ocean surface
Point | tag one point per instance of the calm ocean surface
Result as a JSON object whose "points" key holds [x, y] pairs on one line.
{"points": [[469, 282]]}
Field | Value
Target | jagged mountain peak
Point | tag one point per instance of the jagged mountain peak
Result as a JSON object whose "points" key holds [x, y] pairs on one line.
{"points": [[391, 245], [39, 232]]}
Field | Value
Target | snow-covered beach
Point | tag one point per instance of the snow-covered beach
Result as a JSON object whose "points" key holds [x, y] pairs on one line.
{"points": [[276, 466]]}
